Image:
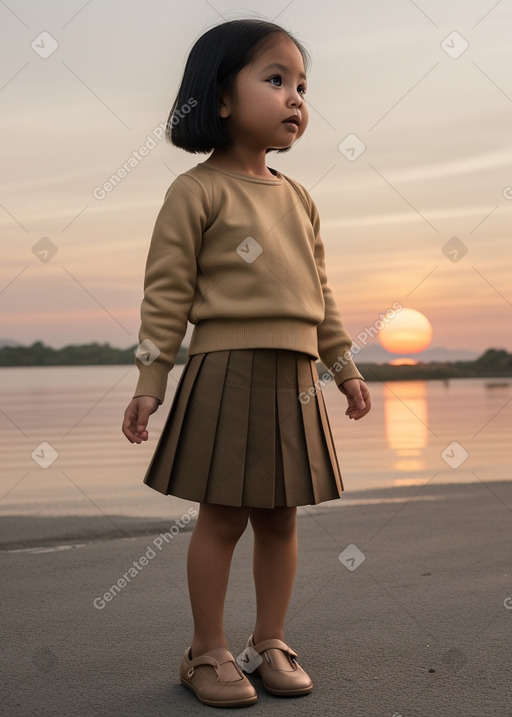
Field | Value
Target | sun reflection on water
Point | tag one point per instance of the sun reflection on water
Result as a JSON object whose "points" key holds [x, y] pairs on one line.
{"points": [[406, 425]]}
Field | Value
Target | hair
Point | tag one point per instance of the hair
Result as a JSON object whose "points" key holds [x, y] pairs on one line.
{"points": [[194, 123]]}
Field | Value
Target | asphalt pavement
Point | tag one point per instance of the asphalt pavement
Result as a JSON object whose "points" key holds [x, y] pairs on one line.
{"points": [[401, 608]]}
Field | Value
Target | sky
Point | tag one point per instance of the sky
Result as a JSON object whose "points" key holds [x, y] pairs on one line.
{"points": [[422, 216]]}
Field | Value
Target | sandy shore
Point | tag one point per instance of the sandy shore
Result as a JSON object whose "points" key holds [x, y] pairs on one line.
{"points": [[400, 607]]}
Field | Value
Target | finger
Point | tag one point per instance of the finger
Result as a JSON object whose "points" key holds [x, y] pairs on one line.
{"points": [[356, 413], [141, 430], [129, 433], [362, 413], [129, 427], [357, 399], [142, 423]]}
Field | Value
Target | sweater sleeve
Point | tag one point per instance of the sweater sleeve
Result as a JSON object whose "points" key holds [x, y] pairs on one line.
{"points": [[334, 341], [169, 283]]}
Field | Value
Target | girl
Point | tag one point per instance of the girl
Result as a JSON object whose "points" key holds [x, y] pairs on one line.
{"points": [[236, 250]]}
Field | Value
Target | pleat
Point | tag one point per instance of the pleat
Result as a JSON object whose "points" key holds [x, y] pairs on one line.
{"points": [[238, 434], [297, 481], [158, 472], [328, 438], [279, 488], [259, 480], [199, 429], [227, 469], [323, 481]]}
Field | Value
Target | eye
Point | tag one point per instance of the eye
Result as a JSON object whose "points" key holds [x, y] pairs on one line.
{"points": [[277, 77]]}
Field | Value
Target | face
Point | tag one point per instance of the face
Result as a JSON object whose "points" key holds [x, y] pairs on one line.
{"points": [[265, 94]]}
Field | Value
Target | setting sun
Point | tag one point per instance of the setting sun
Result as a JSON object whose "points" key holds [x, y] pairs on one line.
{"points": [[409, 332]]}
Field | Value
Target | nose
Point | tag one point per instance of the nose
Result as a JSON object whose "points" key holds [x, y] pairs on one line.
{"points": [[296, 98]]}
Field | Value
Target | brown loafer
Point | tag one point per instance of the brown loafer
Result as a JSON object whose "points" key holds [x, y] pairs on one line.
{"points": [[216, 680], [277, 666]]}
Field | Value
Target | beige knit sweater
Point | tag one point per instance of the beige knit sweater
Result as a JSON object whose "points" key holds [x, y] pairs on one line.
{"points": [[241, 258]]}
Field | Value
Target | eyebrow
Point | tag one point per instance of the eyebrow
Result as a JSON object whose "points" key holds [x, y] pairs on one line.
{"points": [[283, 68]]}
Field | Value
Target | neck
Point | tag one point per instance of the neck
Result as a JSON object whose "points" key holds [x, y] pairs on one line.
{"points": [[242, 161]]}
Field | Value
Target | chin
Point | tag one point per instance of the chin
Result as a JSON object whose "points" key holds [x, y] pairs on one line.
{"points": [[279, 149]]}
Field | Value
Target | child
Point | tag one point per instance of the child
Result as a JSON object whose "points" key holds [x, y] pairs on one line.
{"points": [[236, 250]]}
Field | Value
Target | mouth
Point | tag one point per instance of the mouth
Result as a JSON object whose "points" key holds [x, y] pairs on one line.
{"points": [[294, 119]]}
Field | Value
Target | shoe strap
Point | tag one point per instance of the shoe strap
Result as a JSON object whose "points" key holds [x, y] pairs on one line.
{"points": [[204, 660], [208, 660], [274, 644]]}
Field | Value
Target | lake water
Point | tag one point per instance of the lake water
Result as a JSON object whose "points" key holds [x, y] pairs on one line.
{"points": [[455, 431]]}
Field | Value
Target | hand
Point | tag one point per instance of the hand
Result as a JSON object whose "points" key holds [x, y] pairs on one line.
{"points": [[136, 418], [358, 398]]}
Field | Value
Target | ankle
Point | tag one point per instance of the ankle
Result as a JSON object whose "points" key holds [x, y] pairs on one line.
{"points": [[261, 635], [202, 648]]}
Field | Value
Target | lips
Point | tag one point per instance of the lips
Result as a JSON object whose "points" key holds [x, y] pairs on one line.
{"points": [[294, 119]]}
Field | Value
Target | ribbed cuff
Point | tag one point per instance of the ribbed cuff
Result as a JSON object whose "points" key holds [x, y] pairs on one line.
{"points": [[152, 379], [339, 362]]}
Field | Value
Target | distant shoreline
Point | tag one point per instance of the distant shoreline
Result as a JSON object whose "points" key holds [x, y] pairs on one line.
{"points": [[25, 530], [493, 363], [433, 371]]}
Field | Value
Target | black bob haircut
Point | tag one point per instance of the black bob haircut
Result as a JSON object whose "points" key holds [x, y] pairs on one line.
{"points": [[194, 123]]}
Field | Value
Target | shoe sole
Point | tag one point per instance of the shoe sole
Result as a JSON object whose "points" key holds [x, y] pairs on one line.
{"points": [[224, 703], [288, 693]]}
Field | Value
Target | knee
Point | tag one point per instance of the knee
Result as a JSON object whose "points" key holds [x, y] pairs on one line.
{"points": [[275, 522], [225, 522]]}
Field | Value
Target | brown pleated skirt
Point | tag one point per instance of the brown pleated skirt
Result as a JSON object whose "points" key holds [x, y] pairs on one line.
{"points": [[243, 430]]}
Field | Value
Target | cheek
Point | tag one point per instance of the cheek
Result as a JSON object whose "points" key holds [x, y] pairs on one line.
{"points": [[264, 105], [268, 95], [305, 118], [256, 100]]}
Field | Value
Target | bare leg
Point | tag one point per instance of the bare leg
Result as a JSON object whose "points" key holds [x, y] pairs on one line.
{"points": [[216, 533], [274, 566]]}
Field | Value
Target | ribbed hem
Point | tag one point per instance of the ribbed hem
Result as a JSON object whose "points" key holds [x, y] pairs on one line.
{"points": [[222, 334]]}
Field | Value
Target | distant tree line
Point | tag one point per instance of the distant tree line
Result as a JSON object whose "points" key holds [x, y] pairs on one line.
{"points": [[492, 363], [85, 355]]}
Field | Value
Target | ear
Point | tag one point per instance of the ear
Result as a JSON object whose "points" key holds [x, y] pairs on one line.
{"points": [[224, 105], [224, 110]]}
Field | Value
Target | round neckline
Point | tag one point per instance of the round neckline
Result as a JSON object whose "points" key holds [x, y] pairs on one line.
{"points": [[248, 177]]}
